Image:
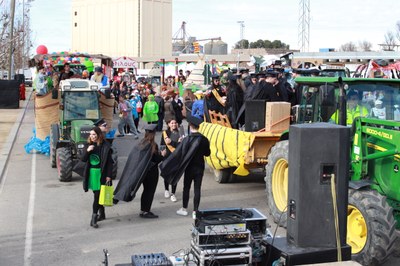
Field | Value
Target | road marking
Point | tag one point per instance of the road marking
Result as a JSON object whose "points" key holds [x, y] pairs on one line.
{"points": [[29, 220]]}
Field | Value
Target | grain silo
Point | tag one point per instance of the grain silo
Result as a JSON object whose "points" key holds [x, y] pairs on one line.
{"points": [[216, 47]]}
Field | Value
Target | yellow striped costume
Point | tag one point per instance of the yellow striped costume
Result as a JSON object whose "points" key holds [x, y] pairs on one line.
{"points": [[228, 147]]}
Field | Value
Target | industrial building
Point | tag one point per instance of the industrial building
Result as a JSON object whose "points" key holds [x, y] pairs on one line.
{"points": [[134, 28]]}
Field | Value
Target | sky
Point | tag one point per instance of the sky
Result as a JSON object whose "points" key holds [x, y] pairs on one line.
{"points": [[332, 23]]}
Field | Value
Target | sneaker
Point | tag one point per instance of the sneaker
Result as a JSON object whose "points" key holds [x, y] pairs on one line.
{"points": [[121, 135], [182, 211], [173, 198], [129, 134], [166, 194], [194, 215], [136, 137]]}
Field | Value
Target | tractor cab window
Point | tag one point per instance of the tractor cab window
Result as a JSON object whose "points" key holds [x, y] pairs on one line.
{"points": [[81, 105], [382, 100]]}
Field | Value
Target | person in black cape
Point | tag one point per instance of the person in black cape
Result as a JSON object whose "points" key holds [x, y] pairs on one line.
{"points": [[188, 158], [234, 102], [141, 168]]}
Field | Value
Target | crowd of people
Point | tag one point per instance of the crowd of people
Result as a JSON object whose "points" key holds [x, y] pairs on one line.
{"points": [[178, 152]]}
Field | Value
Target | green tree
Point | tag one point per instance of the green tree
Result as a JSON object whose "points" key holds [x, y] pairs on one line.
{"points": [[267, 44], [242, 44]]}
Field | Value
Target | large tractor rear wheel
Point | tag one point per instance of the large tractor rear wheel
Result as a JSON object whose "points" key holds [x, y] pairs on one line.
{"points": [[276, 181], [64, 164], [370, 227], [225, 175], [54, 136]]}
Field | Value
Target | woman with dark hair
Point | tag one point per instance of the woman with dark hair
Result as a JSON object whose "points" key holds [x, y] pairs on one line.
{"points": [[144, 171], [177, 105], [98, 170], [169, 140], [169, 113]]}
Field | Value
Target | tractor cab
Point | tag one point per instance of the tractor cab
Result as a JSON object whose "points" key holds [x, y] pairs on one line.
{"points": [[320, 101]]}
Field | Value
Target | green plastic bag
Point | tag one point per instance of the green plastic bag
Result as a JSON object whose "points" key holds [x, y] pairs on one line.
{"points": [[106, 195]]}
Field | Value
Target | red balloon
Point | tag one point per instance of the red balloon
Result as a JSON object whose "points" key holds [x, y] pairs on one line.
{"points": [[41, 49]]}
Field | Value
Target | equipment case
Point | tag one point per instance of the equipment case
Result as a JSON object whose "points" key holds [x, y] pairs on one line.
{"points": [[241, 255]]}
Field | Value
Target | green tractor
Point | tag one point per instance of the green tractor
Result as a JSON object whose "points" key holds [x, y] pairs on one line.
{"points": [[374, 177], [79, 108]]}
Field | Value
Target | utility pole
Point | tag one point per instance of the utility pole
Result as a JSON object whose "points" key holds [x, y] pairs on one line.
{"points": [[304, 25], [241, 22], [10, 68], [241, 33]]}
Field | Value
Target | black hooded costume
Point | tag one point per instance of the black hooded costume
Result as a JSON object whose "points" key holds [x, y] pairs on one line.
{"points": [[174, 166], [133, 173]]}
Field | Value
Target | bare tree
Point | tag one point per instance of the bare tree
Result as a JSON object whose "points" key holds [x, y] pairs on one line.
{"points": [[390, 41], [365, 46], [21, 35], [348, 47], [398, 30]]}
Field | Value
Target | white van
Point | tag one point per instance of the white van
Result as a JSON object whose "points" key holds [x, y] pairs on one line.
{"points": [[28, 76]]}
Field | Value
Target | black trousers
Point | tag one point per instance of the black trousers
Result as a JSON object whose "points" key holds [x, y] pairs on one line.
{"points": [[195, 175], [149, 188], [166, 186], [96, 205]]}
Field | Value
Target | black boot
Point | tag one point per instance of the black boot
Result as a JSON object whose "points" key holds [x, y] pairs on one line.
{"points": [[102, 214], [93, 222]]}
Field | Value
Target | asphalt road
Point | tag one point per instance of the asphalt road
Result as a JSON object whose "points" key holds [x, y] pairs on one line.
{"points": [[46, 222]]}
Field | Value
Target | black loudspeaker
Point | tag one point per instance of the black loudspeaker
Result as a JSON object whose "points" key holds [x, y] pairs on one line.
{"points": [[20, 78], [316, 152], [255, 115], [9, 94]]}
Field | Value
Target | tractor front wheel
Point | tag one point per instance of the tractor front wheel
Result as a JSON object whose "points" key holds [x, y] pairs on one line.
{"points": [[276, 182], [371, 228], [64, 164]]}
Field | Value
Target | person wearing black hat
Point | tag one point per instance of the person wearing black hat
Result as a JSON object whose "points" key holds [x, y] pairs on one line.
{"points": [[234, 101], [245, 78], [188, 158], [248, 94], [215, 98], [145, 157], [267, 90]]}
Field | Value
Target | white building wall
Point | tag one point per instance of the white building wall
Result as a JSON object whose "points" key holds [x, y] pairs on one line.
{"points": [[115, 28]]}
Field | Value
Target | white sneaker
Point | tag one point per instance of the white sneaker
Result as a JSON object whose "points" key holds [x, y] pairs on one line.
{"points": [[166, 194], [194, 215], [182, 211], [173, 198]]}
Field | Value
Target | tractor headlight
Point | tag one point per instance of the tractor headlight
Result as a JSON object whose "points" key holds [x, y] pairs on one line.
{"points": [[80, 146], [94, 87], [67, 87]]}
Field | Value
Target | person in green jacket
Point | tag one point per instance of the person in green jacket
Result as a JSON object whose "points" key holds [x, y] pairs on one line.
{"points": [[354, 109], [150, 110]]}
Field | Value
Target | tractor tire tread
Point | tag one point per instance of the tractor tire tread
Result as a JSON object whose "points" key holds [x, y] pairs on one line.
{"points": [[381, 226], [278, 151]]}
